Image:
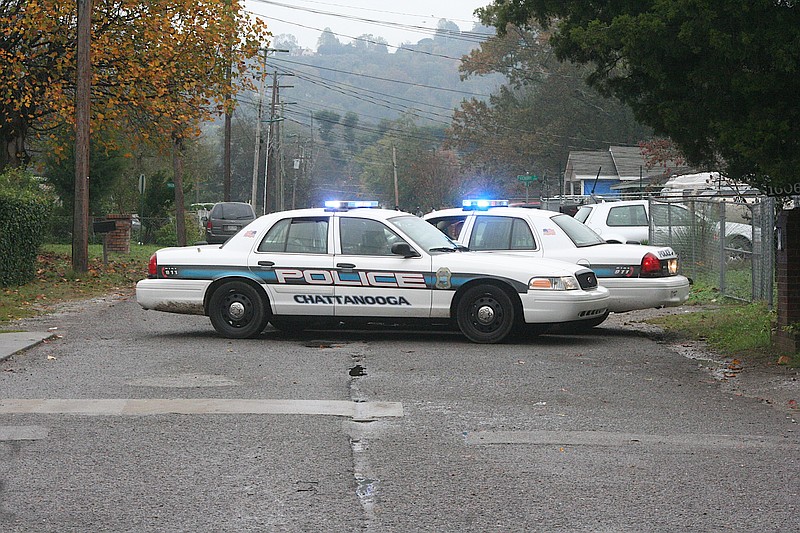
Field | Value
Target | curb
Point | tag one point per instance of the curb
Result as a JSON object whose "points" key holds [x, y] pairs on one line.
{"points": [[15, 342]]}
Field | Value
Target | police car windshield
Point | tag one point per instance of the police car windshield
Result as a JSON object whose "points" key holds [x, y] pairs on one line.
{"points": [[424, 234]]}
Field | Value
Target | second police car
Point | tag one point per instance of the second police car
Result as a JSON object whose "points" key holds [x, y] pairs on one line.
{"points": [[353, 262], [637, 276]]}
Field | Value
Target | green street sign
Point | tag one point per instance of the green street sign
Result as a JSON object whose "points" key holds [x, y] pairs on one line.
{"points": [[527, 178]]}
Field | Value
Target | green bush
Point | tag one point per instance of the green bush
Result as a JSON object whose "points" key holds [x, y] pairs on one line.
{"points": [[167, 235], [24, 213]]}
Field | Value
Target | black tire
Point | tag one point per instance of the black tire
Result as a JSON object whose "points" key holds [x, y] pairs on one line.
{"points": [[485, 314], [741, 243], [738, 249], [237, 310]]}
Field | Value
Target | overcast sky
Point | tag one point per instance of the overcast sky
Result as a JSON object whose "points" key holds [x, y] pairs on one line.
{"points": [[396, 21]]}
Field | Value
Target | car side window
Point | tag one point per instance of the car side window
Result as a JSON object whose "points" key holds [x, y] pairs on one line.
{"points": [[362, 236], [501, 233], [297, 235], [627, 215], [666, 215], [450, 226], [521, 236]]}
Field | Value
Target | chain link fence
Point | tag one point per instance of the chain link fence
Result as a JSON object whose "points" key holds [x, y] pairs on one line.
{"points": [[145, 230], [721, 243]]}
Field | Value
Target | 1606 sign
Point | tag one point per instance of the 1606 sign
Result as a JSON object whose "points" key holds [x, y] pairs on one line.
{"points": [[784, 190]]}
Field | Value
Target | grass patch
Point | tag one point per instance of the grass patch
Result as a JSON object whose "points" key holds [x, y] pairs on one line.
{"points": [[740, 331], [731, 329], [56, 283]]}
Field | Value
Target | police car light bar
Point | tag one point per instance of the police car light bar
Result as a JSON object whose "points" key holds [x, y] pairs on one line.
{"points": [[344, 205], [480, 205]]}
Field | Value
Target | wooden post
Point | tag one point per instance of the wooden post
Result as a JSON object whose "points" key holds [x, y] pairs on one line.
{"points": [[80, 221]]}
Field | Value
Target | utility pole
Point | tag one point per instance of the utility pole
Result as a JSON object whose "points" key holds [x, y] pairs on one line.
{"points": [[226, 155], [226, 150], [273, 138], [396, 189], [256, 156], [83, 88], [281, 168], [270, 136]]}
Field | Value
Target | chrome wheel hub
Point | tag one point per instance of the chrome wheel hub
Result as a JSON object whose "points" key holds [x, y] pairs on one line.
{"points": [[485, 314], [236, 310]]}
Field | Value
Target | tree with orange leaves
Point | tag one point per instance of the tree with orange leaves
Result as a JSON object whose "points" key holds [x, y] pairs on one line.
{"points": [[159, 69], [156, 66]]}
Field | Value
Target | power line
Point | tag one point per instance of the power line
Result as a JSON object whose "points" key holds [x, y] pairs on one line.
{"points": [[376, 98], [376, 22], [358, 8], [368, 76]]}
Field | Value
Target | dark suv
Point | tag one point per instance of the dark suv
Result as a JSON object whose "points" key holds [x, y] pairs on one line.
{"points": [[226, 219]]}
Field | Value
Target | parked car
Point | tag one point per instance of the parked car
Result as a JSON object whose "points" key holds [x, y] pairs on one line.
{"points": [[637, 277], [354, 263], [629, 222], [226, 219]]}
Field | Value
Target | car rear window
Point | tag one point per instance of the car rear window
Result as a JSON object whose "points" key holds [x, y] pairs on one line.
{"points": [[583, 213], [579, 233], [232, 211]]}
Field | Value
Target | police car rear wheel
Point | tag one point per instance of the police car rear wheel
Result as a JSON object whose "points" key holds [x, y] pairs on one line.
{"points": [[485, 314], [237, 311]]}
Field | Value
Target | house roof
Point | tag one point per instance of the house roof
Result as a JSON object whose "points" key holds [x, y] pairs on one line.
{"points": [[587, 163], [623, 163], [630, 162]]}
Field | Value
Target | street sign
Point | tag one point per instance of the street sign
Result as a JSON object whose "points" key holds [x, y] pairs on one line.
{"points": [[527, 178]]}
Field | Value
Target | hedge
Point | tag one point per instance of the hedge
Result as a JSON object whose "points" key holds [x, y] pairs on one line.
{"points": [[23, 221]]}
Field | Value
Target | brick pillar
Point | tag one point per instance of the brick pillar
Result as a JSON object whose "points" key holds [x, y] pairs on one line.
{"points": [[787, 269], [119, 240]]}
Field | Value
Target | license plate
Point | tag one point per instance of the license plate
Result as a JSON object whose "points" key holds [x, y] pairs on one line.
{"points": [[230, 228]]}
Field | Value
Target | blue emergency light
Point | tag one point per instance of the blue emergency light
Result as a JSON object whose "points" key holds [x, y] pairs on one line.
{"points": [[344, 205], [482, 205]]}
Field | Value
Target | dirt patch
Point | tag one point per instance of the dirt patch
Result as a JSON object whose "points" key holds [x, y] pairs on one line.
{"points": [[774, 384]]}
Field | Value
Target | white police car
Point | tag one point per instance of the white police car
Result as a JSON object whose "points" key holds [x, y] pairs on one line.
{"points": [[353, 262], [637, 277]]}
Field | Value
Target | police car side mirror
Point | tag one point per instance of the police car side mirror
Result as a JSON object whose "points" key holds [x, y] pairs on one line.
{"points": [[403, 248]]}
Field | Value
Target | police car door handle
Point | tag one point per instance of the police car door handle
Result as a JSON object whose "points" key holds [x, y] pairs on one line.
{"points": [[345, 266], [266, 264]]}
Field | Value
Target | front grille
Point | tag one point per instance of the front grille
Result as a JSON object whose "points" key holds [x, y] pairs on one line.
{"points": [[587, 280]]}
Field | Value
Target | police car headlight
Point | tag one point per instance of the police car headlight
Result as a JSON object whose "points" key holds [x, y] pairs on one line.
{"points": [[563, 283]]}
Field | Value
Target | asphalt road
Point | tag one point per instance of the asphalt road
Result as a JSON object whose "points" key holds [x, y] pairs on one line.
{"points": [[143, 421]]}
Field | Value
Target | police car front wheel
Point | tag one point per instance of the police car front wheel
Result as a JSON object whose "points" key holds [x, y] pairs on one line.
{"points": [[485, 314], [237, 310]]}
